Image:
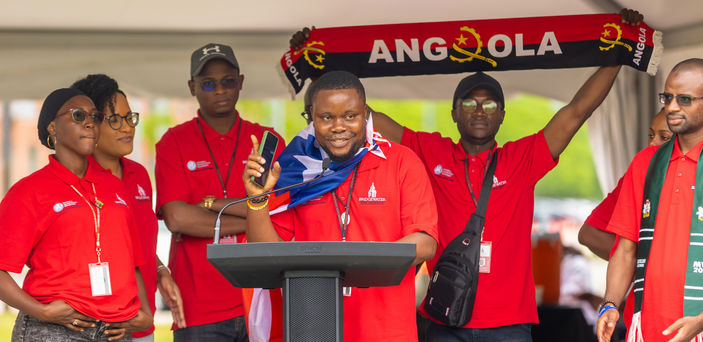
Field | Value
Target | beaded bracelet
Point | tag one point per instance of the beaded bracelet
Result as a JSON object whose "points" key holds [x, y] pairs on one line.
{"points": [[261, 199], [253, 207]]}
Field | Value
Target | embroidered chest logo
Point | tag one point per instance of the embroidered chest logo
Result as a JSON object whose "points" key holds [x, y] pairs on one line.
{"points": [[497, 183], [198, 165], [443, 172], [119, 200], [61, 206], [372, 197], [141, 194], [646, 208]]}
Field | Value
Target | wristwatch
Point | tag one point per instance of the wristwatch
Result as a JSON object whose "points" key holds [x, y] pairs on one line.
{"points": [[208, 201]]}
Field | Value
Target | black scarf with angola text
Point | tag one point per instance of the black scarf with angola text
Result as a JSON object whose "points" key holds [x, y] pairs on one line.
{"points": [[477, 45]]}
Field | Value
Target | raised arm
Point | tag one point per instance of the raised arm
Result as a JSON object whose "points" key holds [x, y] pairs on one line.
{"points": [[259, 227]]}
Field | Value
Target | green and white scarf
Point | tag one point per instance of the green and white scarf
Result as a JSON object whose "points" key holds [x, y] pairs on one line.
{"points": [[693, 286]]}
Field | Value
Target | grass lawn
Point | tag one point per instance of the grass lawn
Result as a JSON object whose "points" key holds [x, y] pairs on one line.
{"points": [[7, 321]]}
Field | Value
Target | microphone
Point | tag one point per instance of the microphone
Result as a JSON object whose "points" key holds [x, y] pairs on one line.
{"points": [[216, 240]]}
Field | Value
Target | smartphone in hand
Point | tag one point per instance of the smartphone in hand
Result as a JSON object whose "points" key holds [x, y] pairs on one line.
{"points": [[267, 149]]}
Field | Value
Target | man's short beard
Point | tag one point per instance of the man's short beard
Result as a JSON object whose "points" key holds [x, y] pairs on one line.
{"points": [[352, 152]]}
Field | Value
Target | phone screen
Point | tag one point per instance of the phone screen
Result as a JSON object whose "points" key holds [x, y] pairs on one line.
{"points": [[267, 149]]}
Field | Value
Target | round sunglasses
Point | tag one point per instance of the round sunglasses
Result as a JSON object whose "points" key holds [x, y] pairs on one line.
{"points": [[79, 115]]}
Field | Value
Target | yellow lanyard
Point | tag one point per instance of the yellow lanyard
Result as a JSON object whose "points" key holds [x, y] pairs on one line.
{"points": [[96, 216]]}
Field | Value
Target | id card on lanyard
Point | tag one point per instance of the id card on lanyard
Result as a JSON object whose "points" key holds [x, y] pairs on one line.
{"points": [[345, 217], [99, 272]]}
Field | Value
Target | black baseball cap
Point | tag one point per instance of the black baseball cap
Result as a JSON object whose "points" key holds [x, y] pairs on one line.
{"points": [[209, 52], [478, 80]]}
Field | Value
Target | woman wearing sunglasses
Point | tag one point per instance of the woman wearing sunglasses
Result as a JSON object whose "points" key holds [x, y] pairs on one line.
{"points": [[69, 223], [115, 142]]}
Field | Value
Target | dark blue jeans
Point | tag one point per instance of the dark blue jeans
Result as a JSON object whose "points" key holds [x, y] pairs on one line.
{"points": [[509, 333], [231, 330], [30, 329]]}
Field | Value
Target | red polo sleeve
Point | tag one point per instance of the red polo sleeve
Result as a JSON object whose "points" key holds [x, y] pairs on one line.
{"points": [[19, 229], [418, 205], [625, 221], [600, 216], [171, 181]]}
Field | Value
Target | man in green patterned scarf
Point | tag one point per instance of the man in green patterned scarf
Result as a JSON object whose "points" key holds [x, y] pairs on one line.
{"points": [[660, 216]]}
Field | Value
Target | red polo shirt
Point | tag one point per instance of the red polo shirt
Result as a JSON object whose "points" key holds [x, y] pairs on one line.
{"points": [[666, 267], [136, 181], [506, 295], [49, 227], [391, 198], [185, 172]]}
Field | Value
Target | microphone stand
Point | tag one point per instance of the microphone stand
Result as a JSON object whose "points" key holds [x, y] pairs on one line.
{"points": [[216, 240]]}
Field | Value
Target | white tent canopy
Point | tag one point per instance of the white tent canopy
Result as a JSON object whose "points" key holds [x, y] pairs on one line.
{"points": [[146, 45]]}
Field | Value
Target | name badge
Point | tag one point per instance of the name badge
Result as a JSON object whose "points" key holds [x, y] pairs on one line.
{"points": [[100, 279], [484, 260]]}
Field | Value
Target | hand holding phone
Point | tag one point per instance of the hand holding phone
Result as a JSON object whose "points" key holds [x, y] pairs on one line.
{"points": [[267, 150]]}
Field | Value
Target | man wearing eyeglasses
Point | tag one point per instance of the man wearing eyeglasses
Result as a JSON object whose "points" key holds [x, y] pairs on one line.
{"points": [[659, 216], [198, 165], [505, 305]]}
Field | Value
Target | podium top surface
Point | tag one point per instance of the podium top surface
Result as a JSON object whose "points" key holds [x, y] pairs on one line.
{"points": [[363, 264]]}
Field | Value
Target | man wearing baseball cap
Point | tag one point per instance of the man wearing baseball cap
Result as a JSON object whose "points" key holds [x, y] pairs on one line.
{"points": [[198, 169]]}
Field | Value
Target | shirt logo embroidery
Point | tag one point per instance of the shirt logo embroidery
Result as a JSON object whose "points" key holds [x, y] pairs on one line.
{"points": [[372, 196], [440, 171], [142, 196], [60, 206], [120, 201], [194, 166], [496, 183]]}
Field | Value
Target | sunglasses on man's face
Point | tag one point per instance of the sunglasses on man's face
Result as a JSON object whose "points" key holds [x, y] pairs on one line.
{"points": [[227, 83], [115, 120], [80, 115], [488, 106], [682, 99]]}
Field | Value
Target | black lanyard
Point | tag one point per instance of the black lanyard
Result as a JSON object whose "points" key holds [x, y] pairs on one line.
{"points": [[466, 172], [223, 183], [343, 222]]}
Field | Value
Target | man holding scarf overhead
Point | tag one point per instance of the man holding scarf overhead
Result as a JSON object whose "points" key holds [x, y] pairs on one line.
{"points": [[660, 208], [373, 191]]}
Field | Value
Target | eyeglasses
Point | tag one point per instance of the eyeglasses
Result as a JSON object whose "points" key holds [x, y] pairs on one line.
{"points": [[227, 83], [682, 99], [488, 106], [115, 120], [80, 115]]}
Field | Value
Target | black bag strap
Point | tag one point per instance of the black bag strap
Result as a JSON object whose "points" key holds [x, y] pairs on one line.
{"points": [[485, 193]]}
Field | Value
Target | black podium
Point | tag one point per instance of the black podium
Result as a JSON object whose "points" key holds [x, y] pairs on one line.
{"points": [[312, 275]]}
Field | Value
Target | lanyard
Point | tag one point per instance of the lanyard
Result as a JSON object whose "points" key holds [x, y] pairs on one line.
{"points": [[468, 181], [223, 183], [343, 221], [96, 216]]}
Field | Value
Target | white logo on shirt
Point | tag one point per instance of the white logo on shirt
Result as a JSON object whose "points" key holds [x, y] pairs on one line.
{"points": [[372, 196], [439, 170], [196, 165], [120, 201], [60, 206], [142, 196]]}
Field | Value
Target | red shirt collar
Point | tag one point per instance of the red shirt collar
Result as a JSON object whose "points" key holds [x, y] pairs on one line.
{"points": [[693, 154], [210, 133], [460, 154], [92, 174]]}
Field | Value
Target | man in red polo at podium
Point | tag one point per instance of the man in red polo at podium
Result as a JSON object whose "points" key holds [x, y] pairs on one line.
{"points": [[372, 191]]}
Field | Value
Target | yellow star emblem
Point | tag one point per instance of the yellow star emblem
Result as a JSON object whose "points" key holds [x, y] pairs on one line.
{"points": [[319, 58], [606, 33], [461, 39]]}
